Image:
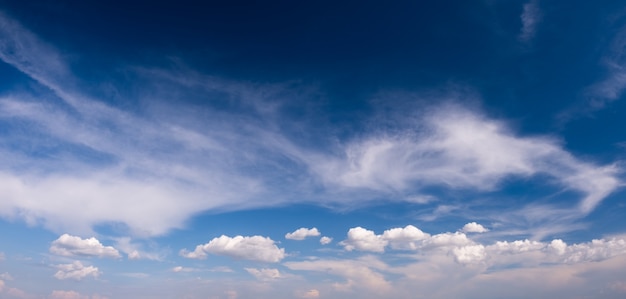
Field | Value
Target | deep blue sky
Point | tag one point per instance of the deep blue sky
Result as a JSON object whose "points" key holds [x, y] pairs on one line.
{"points": [[312, 149]]}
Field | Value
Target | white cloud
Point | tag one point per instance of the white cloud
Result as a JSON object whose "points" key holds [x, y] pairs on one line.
{"points": [[134, 251], [458, 148], [75, 271], [451, 147], [67, 245], [405, 238], [364, 240], [72, 295], [469, 254], [325, 240], [256, 248], [474, 227], [302, 233], [530, 17], [264, 274]]}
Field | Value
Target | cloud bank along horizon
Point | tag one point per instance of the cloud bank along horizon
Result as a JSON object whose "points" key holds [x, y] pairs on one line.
{"points": [[154, 179]]}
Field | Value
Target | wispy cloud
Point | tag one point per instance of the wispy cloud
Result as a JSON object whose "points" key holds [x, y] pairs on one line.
{"points": [[151, 170], [530, 17]]}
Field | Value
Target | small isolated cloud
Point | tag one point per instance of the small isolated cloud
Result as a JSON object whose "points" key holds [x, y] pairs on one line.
{"points": [[474, 227], [67, 245], [75, 271], [325, 240], [264, 274], [178, 269], [302, 233], [308, 294], [364, 240], [530, 17], [255, 248]]}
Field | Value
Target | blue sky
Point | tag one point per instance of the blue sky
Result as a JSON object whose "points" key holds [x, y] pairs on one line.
{"points": [[457, 149]]}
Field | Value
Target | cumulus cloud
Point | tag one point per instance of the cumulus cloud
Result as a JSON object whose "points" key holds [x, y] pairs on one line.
{"points": [[325, 240], [67, 245], [404, 238], [474, 227], [256, 248], [264, 274], [364, 240], [302, 233], [469, 254], [75, 271]]}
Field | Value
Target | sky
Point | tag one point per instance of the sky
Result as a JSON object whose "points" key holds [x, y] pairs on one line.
{"points": [[312, 149]]}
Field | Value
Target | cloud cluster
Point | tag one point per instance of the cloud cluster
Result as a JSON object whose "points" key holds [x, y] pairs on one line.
{"points": [[67, 245], [255, 248], [302, 233], [75, 271]]}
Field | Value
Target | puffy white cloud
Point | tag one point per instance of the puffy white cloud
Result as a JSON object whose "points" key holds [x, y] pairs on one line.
{"points": [[518, 246], [325, 240], [595, 250], [364, 240], [264, 274], [67, 245], [474, 227], [447, 240], [256, 248], [405, 238], [76, 271], [302, 233], [469, 254]]}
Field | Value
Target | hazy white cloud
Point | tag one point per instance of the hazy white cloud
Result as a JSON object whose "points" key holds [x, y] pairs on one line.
{"points": [[474, 227], [256, 248], [265, 274], [6, 276], [67, 245], [302, 233], [313, 293], [2, 256], [75, 271], [134, 251], [364, 240], [359, 274], [530, 17], [325, 240], [72, 295]]}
